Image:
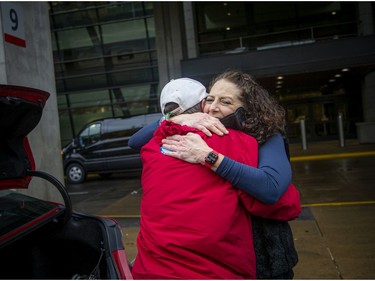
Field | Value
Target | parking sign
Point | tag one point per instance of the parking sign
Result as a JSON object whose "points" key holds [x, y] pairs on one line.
{"points": [[13, 28]]}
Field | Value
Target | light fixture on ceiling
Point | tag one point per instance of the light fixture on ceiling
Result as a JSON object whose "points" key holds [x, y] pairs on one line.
{"points": [[345, 69]]}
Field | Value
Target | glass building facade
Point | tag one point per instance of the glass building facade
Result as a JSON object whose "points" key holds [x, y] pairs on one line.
{"points": [[108, 62], [230, 28], [244, 26], [105, 61]]}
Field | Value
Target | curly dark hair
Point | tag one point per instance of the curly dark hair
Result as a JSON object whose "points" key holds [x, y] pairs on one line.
{"points": [[264, 116]]}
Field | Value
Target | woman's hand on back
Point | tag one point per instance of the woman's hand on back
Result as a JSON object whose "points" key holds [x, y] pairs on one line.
{"points": [[201, 121], [190, 148]]}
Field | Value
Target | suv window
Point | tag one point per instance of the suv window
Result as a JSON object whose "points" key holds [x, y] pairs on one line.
{"points": [[90, 135]]}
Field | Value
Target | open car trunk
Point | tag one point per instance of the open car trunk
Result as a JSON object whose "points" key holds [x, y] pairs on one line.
{"points": [[41, 239], [74, 250]]}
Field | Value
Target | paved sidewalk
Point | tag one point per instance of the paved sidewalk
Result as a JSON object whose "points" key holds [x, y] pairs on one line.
{"points": [[334, 235], [330, 149]]}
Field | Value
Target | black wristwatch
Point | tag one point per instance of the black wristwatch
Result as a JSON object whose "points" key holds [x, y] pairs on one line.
{"points": [[211, 159]]}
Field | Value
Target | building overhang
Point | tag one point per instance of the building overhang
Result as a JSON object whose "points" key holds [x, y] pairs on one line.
{"points": [[322, 56]]}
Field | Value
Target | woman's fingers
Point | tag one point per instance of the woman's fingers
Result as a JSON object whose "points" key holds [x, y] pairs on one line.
{"points": [[203, 122], [191, 147], [170, 140], [206, 131], [211, 124]]}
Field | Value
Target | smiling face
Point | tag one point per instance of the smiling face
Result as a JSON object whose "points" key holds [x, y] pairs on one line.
{"points": [[223, 99]]}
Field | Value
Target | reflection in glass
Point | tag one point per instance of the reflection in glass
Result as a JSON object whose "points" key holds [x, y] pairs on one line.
{"points": [[242, 26], [105, 61]]}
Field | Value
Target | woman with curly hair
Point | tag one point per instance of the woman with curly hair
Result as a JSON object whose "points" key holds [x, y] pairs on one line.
{"points": [[264, 116], [231, 93]]}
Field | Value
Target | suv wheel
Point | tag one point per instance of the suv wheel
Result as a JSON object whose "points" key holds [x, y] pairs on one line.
{"points": [[75, 173]]}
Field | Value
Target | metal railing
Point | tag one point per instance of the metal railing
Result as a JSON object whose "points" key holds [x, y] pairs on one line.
{"points": [[292, 37]]}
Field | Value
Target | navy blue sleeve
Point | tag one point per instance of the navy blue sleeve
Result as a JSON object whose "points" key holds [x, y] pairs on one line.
{"points": [[267, 182], [143, 136]]}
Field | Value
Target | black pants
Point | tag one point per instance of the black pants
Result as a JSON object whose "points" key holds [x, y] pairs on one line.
{"points": [[285, 276], [274, 249]]}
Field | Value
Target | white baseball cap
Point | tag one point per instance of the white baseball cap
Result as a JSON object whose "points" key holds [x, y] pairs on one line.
{"points": [[185, 92]]}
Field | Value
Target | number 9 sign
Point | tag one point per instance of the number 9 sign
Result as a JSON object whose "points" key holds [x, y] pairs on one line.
{"points": [[12, 17]]}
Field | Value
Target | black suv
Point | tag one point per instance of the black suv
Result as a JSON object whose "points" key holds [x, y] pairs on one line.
{"points": [[102, 147]]}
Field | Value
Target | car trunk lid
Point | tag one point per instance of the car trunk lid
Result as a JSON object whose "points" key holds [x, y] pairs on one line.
{"points": [[20, 111]]}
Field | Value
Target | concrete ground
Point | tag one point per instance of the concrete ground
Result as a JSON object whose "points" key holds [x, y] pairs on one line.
{"points": [[334, 235]]}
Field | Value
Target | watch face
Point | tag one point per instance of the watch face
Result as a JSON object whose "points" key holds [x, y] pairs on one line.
{"points": [[211, 158]]}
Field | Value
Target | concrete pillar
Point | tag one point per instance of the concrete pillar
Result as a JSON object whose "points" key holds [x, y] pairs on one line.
{"points": [[170, 40], [191, 40], [30, 64], [366, 26], [366, 129]]}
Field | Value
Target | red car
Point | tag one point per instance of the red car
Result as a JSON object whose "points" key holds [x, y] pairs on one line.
{"points": [[41, 239]]}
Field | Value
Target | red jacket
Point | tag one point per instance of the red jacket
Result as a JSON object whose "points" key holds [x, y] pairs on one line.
{"points": [[193, 222]]}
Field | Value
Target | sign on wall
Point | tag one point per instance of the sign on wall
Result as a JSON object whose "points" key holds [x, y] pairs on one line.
{"points": [[13, 28]]}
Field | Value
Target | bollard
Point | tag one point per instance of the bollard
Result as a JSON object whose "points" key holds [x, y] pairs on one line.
{"points": [[303, 134], [340, 126]]}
